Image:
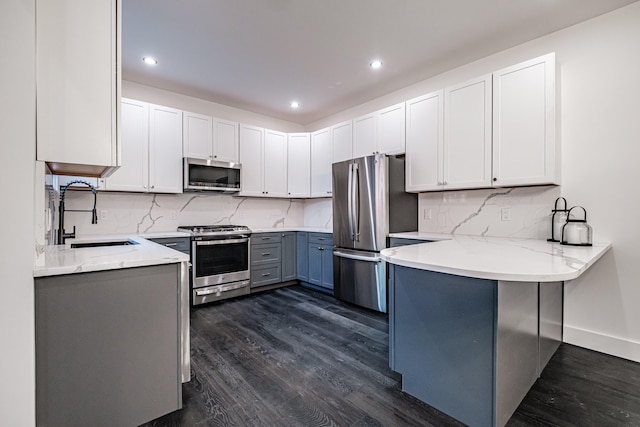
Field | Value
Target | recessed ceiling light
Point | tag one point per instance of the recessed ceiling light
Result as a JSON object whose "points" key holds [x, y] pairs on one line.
{"points": [[375, 64], [295, 104], [149, 60]]}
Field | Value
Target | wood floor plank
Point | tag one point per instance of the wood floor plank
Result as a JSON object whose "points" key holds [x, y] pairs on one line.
{"points": [[296, 357]]}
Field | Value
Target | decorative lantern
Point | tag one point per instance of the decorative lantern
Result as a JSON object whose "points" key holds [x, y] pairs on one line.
{"points": [[558, 220]]}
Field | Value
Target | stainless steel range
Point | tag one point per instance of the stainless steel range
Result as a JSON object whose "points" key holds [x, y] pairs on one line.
{"points": [[220, 261]]}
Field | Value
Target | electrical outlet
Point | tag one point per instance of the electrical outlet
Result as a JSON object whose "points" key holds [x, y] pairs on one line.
{"points": [[427, 214], [505, 214], [172, 214], [104, 214]]}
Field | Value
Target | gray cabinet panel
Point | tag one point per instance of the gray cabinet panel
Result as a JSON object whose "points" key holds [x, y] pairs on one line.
{"points": [[267, 274], [108, 346], [265, 253], [302, 260], [320, 252], [182, 244], [289, 256]]}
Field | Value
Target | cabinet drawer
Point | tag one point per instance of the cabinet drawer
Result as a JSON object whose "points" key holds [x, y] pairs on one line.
{"points": [[182, 244], [265, 238], [264, 253], [321, 238], [265, 275]]}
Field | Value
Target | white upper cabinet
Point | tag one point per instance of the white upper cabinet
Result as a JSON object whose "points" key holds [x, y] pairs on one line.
{"points": [[251, 159], [225, 140], [275, 164], [380, 132], [364, 135], [467, 135], [205, 137], [197, 135], [299, 165], [151, 149], [165, 149], [424, 142], [263, 155], [524, 146], [321, 163], [78, 85], [391, 129], [342, 141]]}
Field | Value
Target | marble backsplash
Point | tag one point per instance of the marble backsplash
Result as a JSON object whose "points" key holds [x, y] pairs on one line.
{"points": [[473, 212], [124, 213], [480, 212]]}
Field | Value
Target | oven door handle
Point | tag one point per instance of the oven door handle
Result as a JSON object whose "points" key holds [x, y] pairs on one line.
{"points": [[221, 241], [221, 288]]}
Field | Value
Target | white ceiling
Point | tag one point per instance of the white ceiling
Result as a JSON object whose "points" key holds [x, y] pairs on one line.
{"points": [[260, 55]]}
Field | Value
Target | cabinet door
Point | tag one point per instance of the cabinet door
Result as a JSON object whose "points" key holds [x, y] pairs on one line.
{"points": [[425, 139], [315, 264], [77, 78], [321, 163], [391, 130], [225, 140], [342, 141], [467, 135], [165, 150], [289, 259], [251, 153], [364, 135], [299, 165], [275, 163], [133, 174], [524, 145], [327, 266], [197, 135], [302, 256]]}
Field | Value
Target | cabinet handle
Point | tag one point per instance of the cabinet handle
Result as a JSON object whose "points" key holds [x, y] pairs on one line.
{"points": [[215, 157], [444, 183], [266, 253], [495, 179], [266, 274], [144, 186], [320, 248], [266, 238], [171, 244], [321, 238], [153, 186]]}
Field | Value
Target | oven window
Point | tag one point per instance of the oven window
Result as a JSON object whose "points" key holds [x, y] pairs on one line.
{"points": [[220, 259]]}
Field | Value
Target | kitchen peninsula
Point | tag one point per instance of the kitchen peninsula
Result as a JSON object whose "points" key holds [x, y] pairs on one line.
{"points": [[111, 321], [474, 320]]}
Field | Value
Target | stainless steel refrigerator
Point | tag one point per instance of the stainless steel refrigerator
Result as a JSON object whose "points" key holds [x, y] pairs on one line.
{"points": [[369, 202]]}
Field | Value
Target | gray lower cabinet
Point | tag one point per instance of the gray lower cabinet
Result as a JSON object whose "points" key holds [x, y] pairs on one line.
{"points": [[108, 346], [266, 259], [320, 260], [395, 242]]}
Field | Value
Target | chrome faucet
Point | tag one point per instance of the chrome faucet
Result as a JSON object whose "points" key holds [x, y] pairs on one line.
{"points": [[62, 236]]}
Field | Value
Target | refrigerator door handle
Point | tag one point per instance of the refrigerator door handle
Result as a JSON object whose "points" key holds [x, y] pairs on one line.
{"points": [[368, 258], [350, 202], [356, 202]]}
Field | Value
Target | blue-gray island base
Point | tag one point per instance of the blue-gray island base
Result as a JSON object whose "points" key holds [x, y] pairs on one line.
{"points": [[470, 347]]}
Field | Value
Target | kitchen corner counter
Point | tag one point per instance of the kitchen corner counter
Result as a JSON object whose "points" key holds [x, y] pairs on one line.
{"points": [[61, 259], [494, 258]]}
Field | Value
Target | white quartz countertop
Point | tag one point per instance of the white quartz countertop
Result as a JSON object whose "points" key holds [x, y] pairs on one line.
{"points": [[495, 258], [61, 259]]}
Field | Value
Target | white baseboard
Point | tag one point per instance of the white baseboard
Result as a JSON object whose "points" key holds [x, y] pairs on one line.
{"points": [[614, 346]]}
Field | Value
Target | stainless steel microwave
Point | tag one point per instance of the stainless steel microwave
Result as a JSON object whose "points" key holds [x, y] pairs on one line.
{"points": [[211, 175]]}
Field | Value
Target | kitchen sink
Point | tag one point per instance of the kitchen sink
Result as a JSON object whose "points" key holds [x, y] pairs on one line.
{"points": [[103, 243]]}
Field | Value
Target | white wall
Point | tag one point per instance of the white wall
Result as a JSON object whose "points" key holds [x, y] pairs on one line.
{"points": [[599, 119], [17, 149], [196, 105]]}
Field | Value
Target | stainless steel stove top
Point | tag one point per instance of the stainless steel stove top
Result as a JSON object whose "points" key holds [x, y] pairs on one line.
{"points": [[214, 230]]}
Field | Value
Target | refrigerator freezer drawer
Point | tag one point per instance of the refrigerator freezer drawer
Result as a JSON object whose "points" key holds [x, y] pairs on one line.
{"points": [[360, 278]]}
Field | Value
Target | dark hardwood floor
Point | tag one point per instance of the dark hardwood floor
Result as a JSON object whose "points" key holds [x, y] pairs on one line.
{"points": [[295, 357]]}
